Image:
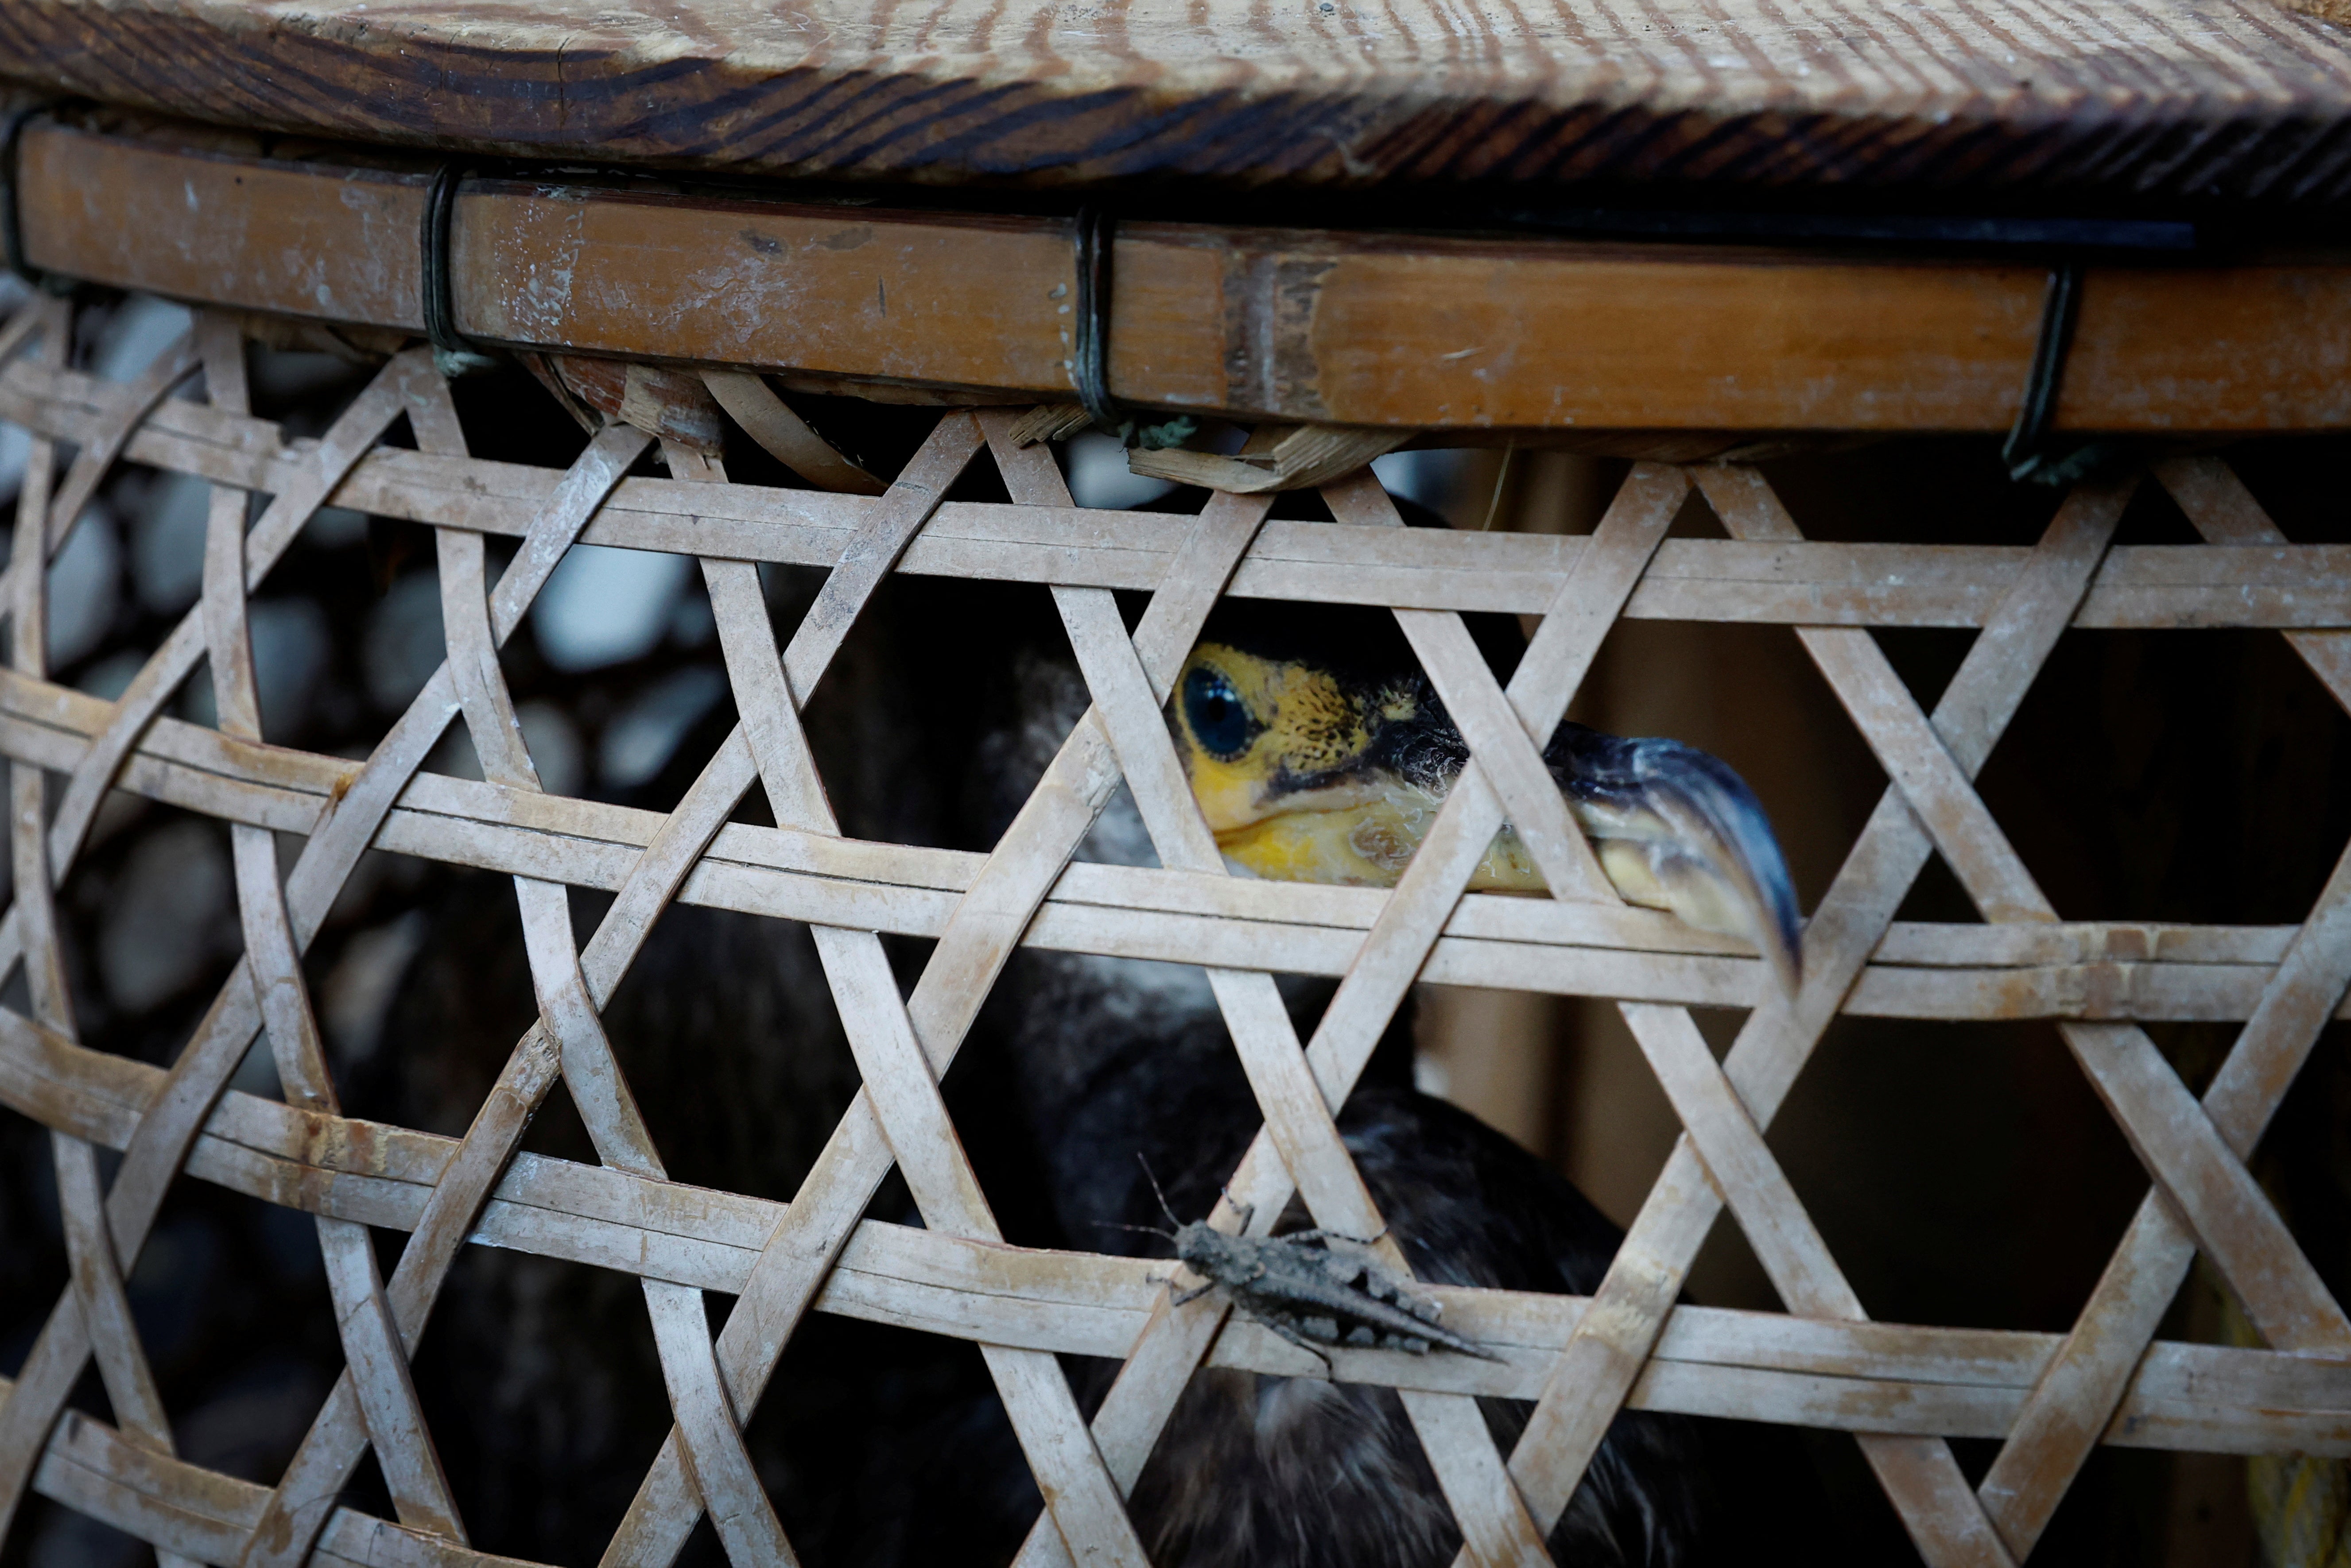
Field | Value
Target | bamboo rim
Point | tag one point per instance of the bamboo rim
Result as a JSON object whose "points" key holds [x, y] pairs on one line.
{"points": [[1676, 352]]}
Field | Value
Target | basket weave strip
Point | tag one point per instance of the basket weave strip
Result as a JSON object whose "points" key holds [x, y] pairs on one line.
{"points": [[1797, 582], [154, 1157], [97, 1269], [2054, 1432], [1965, 1382], [2090, 968], [1904, 1389]]}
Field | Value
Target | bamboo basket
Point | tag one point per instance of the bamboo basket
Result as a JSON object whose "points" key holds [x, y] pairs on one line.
{"points": [[98, 203]]}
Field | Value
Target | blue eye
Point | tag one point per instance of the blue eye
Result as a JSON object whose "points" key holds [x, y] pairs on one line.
{"points": [[1218, 720]]}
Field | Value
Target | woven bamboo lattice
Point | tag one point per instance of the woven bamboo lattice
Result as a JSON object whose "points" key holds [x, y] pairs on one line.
{"points": [[1903, 1390]]}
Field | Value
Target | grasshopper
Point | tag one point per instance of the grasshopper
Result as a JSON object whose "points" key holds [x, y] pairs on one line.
{"points": [[1305, 1289]]}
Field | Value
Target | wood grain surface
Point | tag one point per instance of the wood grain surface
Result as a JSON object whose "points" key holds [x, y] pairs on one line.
{"points": [[2166, 97], [1348, 329]]}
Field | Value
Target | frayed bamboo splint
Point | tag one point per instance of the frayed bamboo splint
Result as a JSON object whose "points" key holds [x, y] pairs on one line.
{"points": [[1310, 455]]}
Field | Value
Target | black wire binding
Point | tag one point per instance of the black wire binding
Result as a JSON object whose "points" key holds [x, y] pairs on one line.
{"points": [[454, 351], [12, 225], [2026, 451], [2029, 452], [1090, 363], [1095, 232]]}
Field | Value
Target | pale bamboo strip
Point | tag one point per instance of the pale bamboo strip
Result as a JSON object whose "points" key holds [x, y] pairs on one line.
{"points": [[20, 327], [973, 948], [1495, 1525], [1083, 1500], [902, 1091], [332, 1445], [1947, 807], [2055, 966], [1799, 582], [2085, 970], [655, 878], [1297, 458], [89, 1467], [1297, 1118], [2226, 513], [1087, 1304], [709, 1427], [201, 1515], [304, 1497], [739, 1505], [1605, 1357], [916, 495], [1510, 759], [899, 1082], [1128, 705], [1397, 947], [2117, 969], [1919, 1475], [687, 832], [102, 442], [344, 443], [771, 422], [1177, 1336], [49, 724], [2083, 1382], [24, 585], [96, 1270], [411, 1466], [2233, 1220], [63, 1345], [95, 1266]]}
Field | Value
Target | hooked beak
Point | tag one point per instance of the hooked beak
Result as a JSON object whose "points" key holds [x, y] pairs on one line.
{"points": [[1676, 829]]}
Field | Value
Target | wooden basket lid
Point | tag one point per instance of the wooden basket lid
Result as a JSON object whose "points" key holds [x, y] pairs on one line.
{"points": [[2141, 99]]}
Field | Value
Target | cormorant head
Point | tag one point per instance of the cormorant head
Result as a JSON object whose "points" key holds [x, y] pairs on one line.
{"points": [[1319, 752]]}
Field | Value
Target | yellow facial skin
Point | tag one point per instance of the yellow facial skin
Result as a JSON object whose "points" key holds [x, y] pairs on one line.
{"points": [[1367, 847], [1359, 831], [1309, 727]]}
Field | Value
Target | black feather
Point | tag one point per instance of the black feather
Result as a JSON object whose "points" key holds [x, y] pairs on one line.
{"points": [[1116, 1059]]}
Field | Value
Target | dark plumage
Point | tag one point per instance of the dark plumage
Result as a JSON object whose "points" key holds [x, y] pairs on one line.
{"points": [[885, 1448], [1263, 1471], [1114, 1059]]}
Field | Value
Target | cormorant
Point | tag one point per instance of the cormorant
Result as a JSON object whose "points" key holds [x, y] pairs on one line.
{"points": [[1318, 751]]}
